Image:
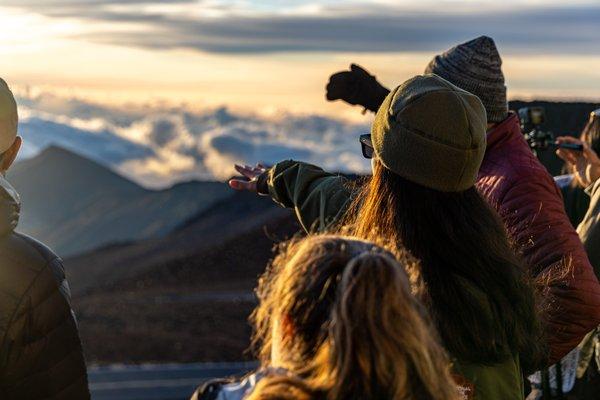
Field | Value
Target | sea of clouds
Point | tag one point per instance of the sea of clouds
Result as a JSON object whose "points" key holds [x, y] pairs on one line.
{"points": [[159, 145]]}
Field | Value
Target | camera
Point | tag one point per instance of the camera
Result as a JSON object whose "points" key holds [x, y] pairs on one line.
{"points": [[532, 119]]}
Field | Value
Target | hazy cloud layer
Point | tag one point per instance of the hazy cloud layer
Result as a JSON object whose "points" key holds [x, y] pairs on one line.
{"points": [[228, 27], [157, 146]]}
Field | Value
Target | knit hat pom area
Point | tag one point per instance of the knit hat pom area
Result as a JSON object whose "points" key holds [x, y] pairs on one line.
{"points": [[476, 67], [432, 133]]}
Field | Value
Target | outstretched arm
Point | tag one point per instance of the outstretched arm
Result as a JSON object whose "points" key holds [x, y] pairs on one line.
{"points": [[318, 198]]}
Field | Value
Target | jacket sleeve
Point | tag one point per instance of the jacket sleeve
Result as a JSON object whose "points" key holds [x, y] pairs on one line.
{"points": [[42, 356], [318, 198], [589, 228], [552, 250]]}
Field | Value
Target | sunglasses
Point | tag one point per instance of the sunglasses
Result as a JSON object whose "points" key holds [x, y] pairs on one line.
{"points": [[366, 145]]}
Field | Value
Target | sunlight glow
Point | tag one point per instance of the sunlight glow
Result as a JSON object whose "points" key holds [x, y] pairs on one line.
{"points": [[56, 54]]}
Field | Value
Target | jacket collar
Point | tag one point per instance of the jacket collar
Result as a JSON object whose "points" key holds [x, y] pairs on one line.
{"points": [[506, 131], [10, 207]]}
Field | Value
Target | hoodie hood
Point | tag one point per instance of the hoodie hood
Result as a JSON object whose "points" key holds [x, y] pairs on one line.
{"points": [[10, 207]]}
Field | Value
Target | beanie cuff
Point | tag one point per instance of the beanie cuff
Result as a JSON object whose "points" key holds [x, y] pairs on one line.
{"points": [[413, 155], [497, 114]]}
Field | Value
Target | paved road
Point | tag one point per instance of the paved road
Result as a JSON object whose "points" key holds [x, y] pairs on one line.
{"points": [[157, 381]]}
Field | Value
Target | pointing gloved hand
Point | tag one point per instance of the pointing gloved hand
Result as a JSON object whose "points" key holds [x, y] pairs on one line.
{"points": [[356, 86]]}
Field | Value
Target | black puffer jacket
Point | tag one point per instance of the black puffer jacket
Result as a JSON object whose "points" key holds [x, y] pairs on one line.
{"points": [[40, 349]]}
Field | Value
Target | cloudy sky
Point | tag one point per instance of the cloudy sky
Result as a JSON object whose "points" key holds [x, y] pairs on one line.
{"points": [[263, 59], [158, 145], [278, 54]]}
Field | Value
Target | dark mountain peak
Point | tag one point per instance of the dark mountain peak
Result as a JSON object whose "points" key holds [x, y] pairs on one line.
{"points": [[59, 185], [55, 153], [75, 204], [56, 150], [56, 165]]}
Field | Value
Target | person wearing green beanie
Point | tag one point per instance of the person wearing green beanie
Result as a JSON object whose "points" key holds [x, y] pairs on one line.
{"points": [[427, 143], [515, 184]]}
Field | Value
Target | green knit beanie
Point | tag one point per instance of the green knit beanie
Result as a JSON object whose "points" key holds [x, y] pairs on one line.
{"points": [[432, 133]]}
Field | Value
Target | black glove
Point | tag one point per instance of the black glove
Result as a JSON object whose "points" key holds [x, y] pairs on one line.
{"points": [[356, 86]]}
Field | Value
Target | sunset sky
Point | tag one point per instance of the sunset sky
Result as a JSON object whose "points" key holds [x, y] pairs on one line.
{"points": [[167, 91], [271, 55]]}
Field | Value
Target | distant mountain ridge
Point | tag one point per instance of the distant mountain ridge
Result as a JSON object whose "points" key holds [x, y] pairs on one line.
{"points": [[75, 205], [191, 288], [225, 221]]}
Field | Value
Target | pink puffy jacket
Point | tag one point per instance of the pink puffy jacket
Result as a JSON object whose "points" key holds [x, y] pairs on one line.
{"points": [[518, 186]]}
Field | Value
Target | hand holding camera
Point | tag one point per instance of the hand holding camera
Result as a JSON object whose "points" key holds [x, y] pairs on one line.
{"points": [[585, 164], [532, 119]]}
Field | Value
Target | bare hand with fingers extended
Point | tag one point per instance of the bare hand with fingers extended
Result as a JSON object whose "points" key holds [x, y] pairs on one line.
{"points": [[585, 164], [249, 179]]}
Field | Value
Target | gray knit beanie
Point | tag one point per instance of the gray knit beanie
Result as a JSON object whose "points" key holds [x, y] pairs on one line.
{"points": [[475, 66]]}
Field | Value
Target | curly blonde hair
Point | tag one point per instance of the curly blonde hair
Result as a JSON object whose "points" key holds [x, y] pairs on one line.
{"points": [[352, 328]]}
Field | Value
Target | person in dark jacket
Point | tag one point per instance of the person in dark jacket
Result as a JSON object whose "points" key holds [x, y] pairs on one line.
{"points": [[337, 320], [40, 350], [422, 197], [514, 182]]}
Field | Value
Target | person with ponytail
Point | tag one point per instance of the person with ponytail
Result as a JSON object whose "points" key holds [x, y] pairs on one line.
{"points": [[336, 320], [427, 143]]}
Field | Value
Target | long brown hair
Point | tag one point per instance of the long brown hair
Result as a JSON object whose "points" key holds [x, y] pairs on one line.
{"points": [[473, 284], [354, 329]]}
